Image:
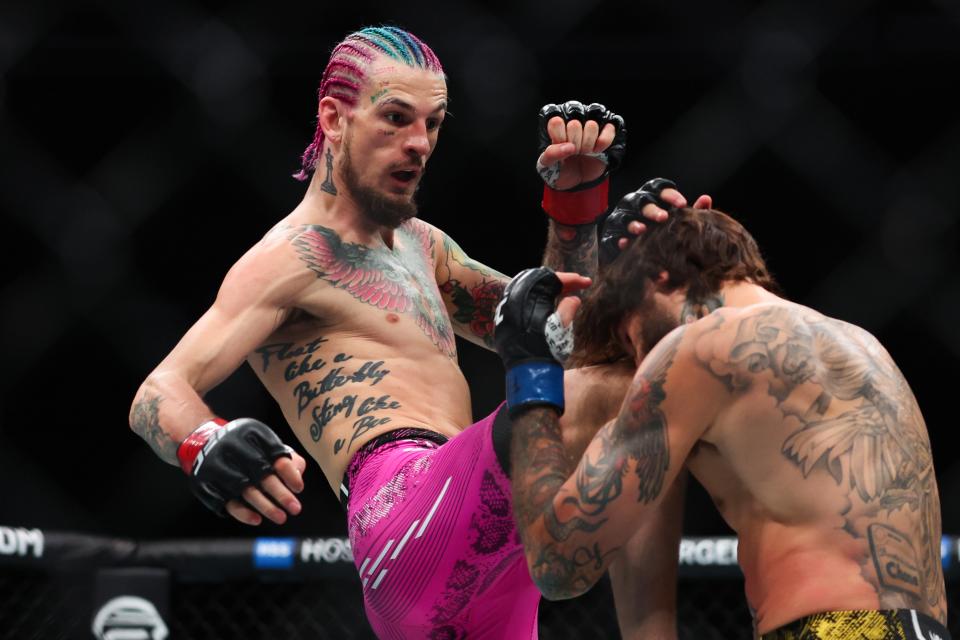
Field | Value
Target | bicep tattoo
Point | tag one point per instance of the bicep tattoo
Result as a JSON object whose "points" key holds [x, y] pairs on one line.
{"points": [[639, 436], [471, 292]]}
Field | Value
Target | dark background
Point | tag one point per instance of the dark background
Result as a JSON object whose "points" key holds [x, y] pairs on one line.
{"points": [[145, 146]]}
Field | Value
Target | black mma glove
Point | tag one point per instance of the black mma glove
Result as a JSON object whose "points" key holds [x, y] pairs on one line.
{"points": [[630, 208], [224, 458], [534, 377], [584, 203]]}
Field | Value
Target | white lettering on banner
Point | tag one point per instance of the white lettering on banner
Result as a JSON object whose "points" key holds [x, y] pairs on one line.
{"points": [[325, 550], [18, 541], [273, 549], [708, 551]]}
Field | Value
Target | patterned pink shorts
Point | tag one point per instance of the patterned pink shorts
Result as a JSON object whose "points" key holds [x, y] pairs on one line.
{"points": [[432, 532]]}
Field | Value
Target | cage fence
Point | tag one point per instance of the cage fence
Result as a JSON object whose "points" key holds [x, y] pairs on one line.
{"points": [[54, 585]]}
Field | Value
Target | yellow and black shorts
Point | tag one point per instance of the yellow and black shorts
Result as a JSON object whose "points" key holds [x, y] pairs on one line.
{"points": [[899, 624]]}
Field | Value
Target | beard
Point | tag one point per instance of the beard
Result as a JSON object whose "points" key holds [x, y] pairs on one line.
{"points": [[378, 208], [655, 323]]}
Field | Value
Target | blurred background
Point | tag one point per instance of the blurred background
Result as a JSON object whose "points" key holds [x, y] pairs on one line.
{"points": [[145, 146]]}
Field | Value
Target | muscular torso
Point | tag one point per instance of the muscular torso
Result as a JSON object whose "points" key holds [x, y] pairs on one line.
{"points": [[821, 463], [366, 346]]}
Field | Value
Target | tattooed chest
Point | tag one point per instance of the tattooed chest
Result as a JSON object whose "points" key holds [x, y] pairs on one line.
{"points": [[399, 281]]}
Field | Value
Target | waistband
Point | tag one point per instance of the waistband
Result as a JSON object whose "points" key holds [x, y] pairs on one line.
{"points": [[905, 624], [414, 434]]}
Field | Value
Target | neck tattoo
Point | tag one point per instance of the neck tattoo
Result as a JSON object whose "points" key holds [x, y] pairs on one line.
{"points": [[693, 308], [328, 185]]}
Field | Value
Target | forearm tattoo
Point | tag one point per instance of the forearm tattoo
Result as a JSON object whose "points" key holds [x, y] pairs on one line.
{"points": [[568, 552], [541, 466], [572, 248], [145, 422]]}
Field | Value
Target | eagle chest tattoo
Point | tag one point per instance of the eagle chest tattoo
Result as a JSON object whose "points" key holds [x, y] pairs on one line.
{"points": [[400, 281]]}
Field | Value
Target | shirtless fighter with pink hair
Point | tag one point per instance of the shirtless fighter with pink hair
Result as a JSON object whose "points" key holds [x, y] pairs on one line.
{"points": [[347, 311]]}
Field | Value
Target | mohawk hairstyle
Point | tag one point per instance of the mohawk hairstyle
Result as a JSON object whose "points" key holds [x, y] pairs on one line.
{"points": [[347, 71]]}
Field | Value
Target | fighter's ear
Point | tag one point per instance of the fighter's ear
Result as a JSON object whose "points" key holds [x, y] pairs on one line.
{"points": [[662, 279], [332, 114]]}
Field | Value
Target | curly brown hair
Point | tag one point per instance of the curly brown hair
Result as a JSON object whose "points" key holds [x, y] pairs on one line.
{"points": [[698, 248]]}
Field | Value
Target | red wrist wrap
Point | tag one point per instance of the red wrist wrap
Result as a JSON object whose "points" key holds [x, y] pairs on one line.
{"points": [[191, 446], [576, 207]]}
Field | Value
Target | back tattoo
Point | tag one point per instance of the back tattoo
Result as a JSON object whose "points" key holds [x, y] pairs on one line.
{"points": [[864, 428]]}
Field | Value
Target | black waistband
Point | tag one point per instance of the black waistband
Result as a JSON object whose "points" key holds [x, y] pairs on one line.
{"points": [[405, 433]]}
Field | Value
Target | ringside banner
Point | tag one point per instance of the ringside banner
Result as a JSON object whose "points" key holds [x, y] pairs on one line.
{"points": [[330, 556], [17, 541]]}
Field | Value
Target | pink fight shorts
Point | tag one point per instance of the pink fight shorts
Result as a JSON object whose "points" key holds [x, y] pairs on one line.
{"points": [[432, 532]]}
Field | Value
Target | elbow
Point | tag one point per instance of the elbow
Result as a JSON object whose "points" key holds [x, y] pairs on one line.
{"points": [[554, 589], [144, 404], [136, 408], [561, 567], [557, 577]]}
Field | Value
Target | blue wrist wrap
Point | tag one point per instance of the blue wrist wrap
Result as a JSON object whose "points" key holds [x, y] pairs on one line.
{"points": [[535, 382]]}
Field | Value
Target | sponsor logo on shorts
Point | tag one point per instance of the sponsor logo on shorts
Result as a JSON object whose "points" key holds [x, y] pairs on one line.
{"points": [[273, 553], [708, 551], [127, 618], [325, 550], [15, 541]]}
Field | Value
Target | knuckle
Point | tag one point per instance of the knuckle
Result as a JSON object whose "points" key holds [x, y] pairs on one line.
{"points": [[276, 489]]}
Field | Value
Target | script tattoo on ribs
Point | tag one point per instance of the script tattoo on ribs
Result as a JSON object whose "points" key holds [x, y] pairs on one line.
{"points": [[317, 393]]}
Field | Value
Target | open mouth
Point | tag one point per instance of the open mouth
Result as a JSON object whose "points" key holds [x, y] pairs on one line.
{"points": [[405, 177]]}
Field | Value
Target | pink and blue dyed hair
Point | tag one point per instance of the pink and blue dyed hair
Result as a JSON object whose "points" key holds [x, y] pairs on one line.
{"points": [[347, 72]]}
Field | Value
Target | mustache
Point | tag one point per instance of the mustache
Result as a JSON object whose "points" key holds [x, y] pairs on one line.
{"points": [[419, 167]]}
